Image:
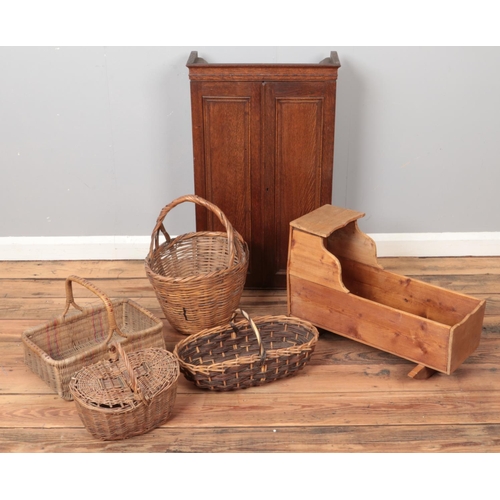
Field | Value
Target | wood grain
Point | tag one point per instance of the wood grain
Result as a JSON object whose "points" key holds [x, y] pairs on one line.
{"points": [[475, 438], [263, 143], [351, 398], [335, 282]]}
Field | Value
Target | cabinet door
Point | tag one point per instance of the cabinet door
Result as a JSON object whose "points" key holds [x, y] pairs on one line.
{"points": [[298, 132], [227, 160]]}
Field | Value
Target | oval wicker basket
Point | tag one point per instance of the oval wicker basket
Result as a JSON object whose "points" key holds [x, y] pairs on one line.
{"points": [[128, 395], [247, 353], [198, 277]]}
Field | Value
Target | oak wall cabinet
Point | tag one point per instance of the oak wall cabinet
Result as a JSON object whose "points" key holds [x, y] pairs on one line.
{"points": [[263, 142]]}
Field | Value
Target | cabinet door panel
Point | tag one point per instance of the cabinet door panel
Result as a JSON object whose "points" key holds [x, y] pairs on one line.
{"points": [[298, 161], [226, 135]]}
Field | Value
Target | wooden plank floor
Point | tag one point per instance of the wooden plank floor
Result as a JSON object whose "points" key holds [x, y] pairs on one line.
{"points": [[350, 398]]}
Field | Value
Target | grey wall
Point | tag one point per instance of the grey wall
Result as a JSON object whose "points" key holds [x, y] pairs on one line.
{"points": [[96, 140]]}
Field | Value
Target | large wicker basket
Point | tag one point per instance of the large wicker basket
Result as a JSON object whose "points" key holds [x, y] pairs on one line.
{"points": [[247, 353], [198, 277], [56, 350], [128, 395]]}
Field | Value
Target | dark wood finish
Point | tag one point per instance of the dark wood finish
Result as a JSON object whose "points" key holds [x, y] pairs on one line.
{"points": [[350, 398], [226, 135], [263, 141]]}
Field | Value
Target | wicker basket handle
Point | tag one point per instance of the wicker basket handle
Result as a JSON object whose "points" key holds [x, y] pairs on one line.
{"points": [[116, 347], [70, 300], [198, 201], [254, 328]]}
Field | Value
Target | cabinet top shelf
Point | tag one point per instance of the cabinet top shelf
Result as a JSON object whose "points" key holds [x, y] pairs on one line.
{"points": [[200, 69]]}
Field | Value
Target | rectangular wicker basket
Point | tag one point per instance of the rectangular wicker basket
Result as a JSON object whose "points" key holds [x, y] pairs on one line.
{"points": [[59, 348]]}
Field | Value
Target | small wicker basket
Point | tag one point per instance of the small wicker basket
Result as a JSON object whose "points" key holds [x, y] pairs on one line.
{"points": [[128, 395], [198, 277], [56, 350], [247, 353]]}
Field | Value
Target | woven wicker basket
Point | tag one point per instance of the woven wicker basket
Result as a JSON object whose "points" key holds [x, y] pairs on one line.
{"points": [[247, 353], [128, 395], [198, 277], [56, 350]]}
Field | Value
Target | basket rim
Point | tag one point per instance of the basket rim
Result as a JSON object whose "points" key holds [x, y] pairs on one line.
{"points": [[220, 367], [130, 409], [231, 235], [78, 316], [237, 267], [86, 311]]}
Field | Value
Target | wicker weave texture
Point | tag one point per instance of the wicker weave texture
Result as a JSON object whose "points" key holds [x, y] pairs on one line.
{"points": [[56, 350], [198, 277], [128, 395], [247, 353]]}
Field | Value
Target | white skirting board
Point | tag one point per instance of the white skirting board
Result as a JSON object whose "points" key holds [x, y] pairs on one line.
{"points": [[437, 244], [74, 247], [137, 247]]}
